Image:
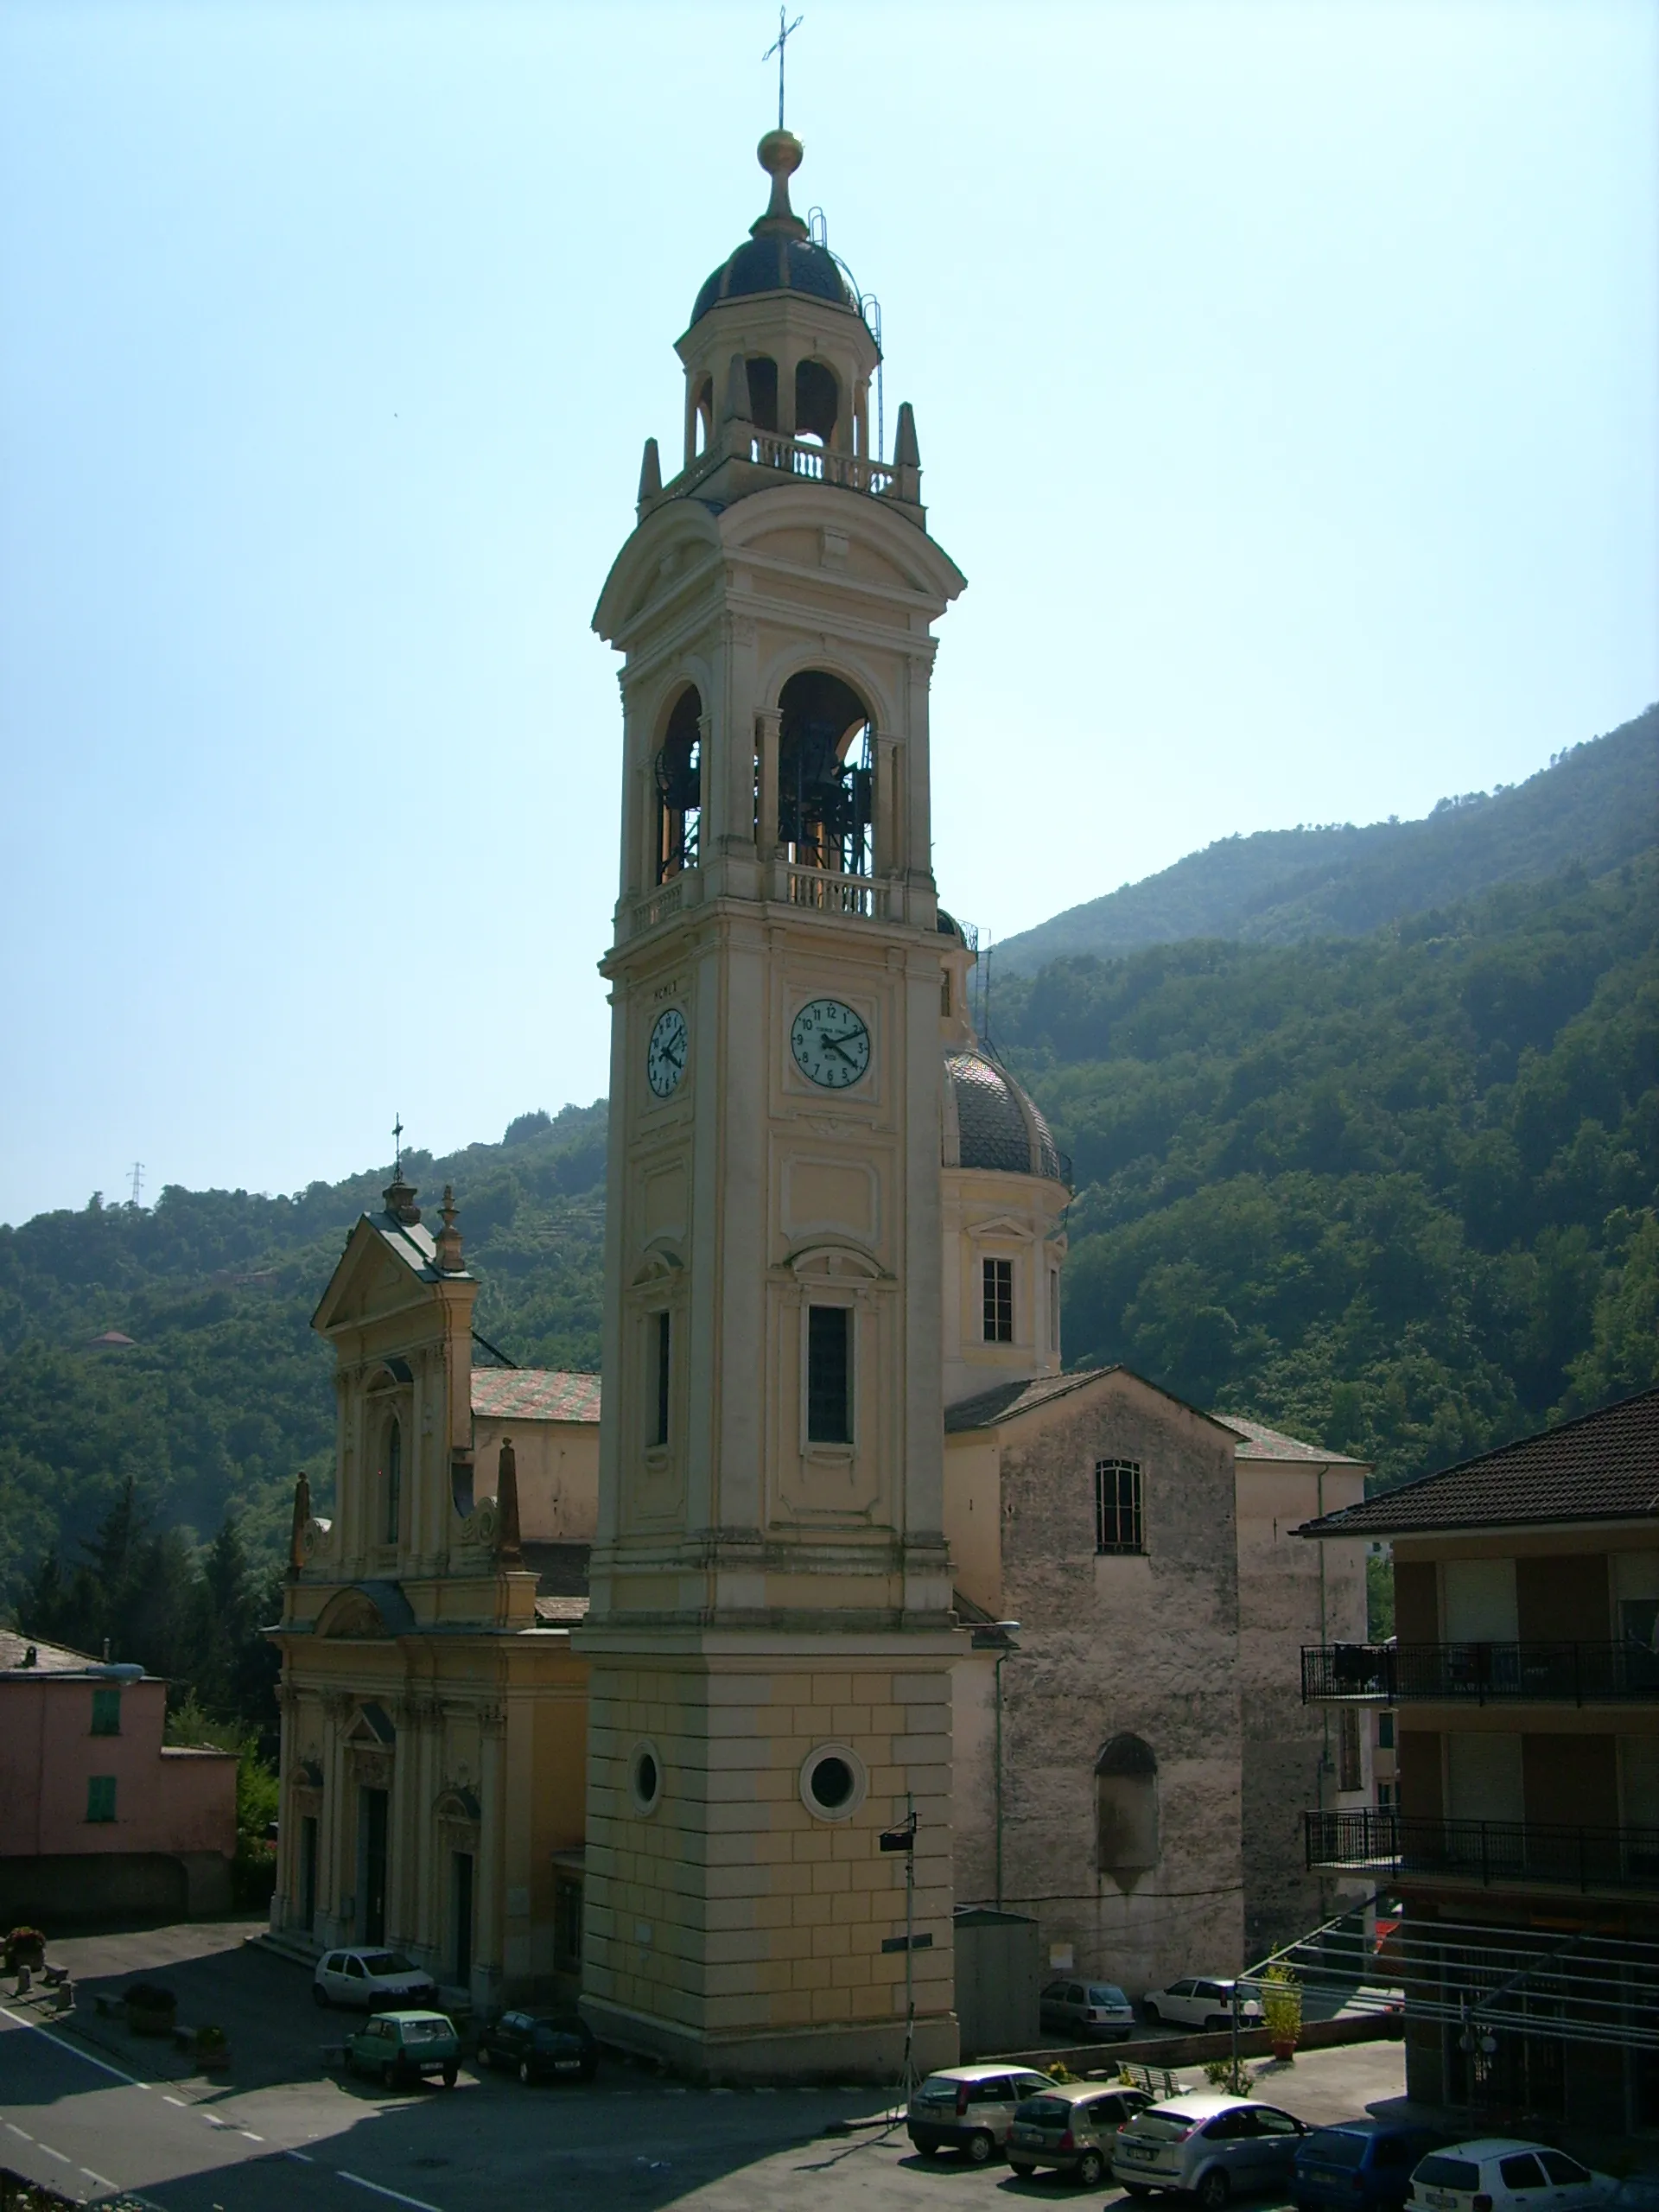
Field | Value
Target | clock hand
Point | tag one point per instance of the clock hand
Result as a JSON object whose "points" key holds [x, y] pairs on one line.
{"points": [[847, 1037], [830, 1044]]}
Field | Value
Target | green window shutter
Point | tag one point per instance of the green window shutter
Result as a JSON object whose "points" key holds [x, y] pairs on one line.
{"points": [[106, 1712], [100, 1797]]}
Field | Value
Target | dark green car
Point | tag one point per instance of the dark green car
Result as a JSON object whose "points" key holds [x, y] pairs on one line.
{"points": [[396, 2048], [541, 2047]]}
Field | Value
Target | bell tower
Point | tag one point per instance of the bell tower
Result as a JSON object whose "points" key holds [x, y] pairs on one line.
{"points": [[770, 1636]]}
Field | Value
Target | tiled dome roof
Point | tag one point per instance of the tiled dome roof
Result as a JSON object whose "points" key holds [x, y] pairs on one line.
{"points": [[999, 1126]]}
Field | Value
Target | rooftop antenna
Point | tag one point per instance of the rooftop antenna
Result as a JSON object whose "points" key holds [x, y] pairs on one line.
{"points": [[785, 32], [397, 1144], [137, 1181]]}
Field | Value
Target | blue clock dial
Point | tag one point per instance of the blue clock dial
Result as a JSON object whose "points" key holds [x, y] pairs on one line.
{"points": [[665, 1055]]}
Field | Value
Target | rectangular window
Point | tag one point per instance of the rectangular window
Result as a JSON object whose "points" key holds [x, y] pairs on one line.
{"points": [[1348, 1774], [828, 1375], [567, 1925], [659, 1434], [106, 1712], [1118, 1506], [1385, 1732], [999, 1301], [100, 1797]]}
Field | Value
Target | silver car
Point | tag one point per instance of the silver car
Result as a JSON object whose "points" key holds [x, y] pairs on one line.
{"points": [[374, 1980], [1208, 2147], [1071, 2128], [970, 2108], [1088, 2010]]}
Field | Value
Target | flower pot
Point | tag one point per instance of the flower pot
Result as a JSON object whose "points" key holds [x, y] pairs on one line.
{"points": [[1284, 2049], [32, 1955]]}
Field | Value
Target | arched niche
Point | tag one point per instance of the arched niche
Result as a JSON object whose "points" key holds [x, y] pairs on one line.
{"points": [[1126, 1810], [763, 391], [677, 772], [826, 783], [817, 401]]}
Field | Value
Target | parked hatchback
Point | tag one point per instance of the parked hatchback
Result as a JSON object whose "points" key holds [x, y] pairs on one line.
{"points": [[1072, 2128], [1198, 2004], [371, 1978], [1365, 2165], [541, 2047], [396, 2048], [1088, 2010], [1500, 2174], [970, 2108], [1208, 2147]]}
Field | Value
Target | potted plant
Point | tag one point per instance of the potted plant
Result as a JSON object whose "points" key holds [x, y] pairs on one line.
{"points": [[25, 1947], [151, 2009], [212, 2050], [1282, 2009]]}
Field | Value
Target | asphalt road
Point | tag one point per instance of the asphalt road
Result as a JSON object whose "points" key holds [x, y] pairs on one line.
{"points": [[97, 2112]]}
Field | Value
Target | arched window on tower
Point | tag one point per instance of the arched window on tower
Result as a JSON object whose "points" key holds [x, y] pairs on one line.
{"points": [[393, 1492], [678, 773], [1126, 1810], [763, 391], [826, 784], [817, 401], [704, 416]]}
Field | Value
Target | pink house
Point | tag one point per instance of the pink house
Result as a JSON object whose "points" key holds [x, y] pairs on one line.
{"points": [[97, 1814]]}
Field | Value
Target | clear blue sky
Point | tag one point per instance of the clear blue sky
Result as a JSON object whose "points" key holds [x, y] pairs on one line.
{"points": [[1285, 382]]}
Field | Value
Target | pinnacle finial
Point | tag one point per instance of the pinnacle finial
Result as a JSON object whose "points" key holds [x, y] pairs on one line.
{"points": [[651, 473], [780, 154]]}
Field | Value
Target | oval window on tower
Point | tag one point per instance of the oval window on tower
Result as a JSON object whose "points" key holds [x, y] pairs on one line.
{"points": [[645, 1776], [833, 1781]]}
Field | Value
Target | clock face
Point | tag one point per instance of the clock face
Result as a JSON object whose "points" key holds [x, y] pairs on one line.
{"points": [[665, 1055], [830, 1044]]}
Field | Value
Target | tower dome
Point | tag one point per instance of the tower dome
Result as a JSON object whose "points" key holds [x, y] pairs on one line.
{"points": [[779, 254], [999, 1126]]}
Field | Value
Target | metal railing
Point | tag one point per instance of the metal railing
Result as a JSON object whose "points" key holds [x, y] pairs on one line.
{"points": [[821, 463], [1372, 1840], [1481, 1674]]}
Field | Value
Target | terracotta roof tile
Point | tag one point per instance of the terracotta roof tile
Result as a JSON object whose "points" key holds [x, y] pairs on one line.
{"points": [[560, 1612], [49, 1658], [534, 1394], [1604, 1466], [1257, 1441]]}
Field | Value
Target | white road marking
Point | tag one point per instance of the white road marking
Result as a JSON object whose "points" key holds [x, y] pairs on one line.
{"points": [[380, 2189], [73, 2049], [23, 2131], [180, 2101], [304, 2156], [103, 2180], [251, 2137], [61, 2158]]}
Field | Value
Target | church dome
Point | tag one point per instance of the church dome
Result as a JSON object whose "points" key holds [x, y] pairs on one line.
{"points": [[780, 255], [774, 263], [999, 1126]]}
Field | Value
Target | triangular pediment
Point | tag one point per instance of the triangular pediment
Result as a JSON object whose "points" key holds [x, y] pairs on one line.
{"points": [[380, 1272]]}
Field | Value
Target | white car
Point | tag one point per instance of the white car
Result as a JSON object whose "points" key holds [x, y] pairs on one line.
{"points": [[1196, 2004], [373, 1980], [1502, 2175]]}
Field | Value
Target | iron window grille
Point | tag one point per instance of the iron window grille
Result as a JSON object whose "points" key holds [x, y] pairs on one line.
{"points": [[998, 1282], [1118, 1506]]}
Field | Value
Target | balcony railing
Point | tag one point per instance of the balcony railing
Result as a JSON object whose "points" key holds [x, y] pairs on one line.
{"points": [[798, 457], [663, 902], [1482, 1673], [1495, 1853], [826, 893]]}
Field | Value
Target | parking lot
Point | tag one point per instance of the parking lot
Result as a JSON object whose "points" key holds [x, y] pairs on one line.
{"points": [[93, 2109]]}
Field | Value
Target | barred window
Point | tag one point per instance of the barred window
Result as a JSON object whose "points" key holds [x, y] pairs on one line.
{"points": [[998, 1278], [1118, 1506]]}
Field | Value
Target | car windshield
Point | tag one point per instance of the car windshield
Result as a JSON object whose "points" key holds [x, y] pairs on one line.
{"points": [[1335, 2146], [387, 1962], [1105, 1992], [939, 2087], [423, 2031], [1045, 2111], [1448, 2173], [1164, 2127]]}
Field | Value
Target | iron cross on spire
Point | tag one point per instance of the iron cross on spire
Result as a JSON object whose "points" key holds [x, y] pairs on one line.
{"points": [[785, 32], [397, 1141]]}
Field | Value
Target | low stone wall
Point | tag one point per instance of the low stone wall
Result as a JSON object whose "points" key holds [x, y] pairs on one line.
{"points": [[72, 1888], [1176, 2052]]}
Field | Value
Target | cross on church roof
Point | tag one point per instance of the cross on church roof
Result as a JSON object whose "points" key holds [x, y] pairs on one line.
{"points": [[398, 1145], [785, 32]]}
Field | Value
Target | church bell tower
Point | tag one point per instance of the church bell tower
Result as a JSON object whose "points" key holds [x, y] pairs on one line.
{"points": [[770, 1636]]}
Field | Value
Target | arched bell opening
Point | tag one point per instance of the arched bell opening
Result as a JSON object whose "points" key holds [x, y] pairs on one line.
{"points": [[826, 782], [817, 401], [763, 391], [1125, 1804], [703, 418], [678, 770]]}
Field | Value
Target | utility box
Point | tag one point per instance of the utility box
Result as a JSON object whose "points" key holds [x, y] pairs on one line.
{"points": [[998, 1980]]}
